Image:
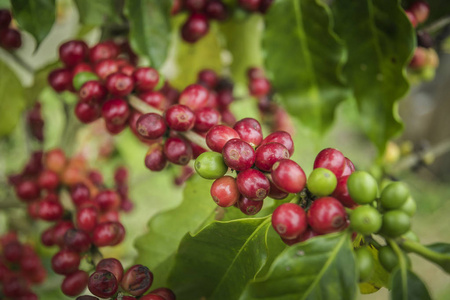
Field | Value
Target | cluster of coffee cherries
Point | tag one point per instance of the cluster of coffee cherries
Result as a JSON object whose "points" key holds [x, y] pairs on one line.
{"points": [[20, 268], [202, 11], [10, 38], [111, 282], [35, 122]]}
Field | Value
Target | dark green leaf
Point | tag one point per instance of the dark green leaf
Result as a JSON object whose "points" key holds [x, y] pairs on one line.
{"points": [[407, 286], [150, 28], [443, 248], [35, 16], [12, 100], [217, 262], [98, 12], [320, 268], [305, 59], [380, 40]]}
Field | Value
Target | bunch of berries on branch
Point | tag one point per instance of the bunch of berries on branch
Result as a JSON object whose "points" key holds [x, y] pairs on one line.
{"points": [[10, 37]]}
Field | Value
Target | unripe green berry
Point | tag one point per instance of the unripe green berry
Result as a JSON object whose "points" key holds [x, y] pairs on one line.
{"points": [[362, 187], [394, 195], [395, 223], [81, 78], [365, 263], [210, 165], [321, 182], [365, 220]]}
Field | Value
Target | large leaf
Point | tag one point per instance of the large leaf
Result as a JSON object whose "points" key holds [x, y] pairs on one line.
{"points": [[380, 40], [12, 100], [166, 229], [150, 28], [218, 262], [320, 268], [98, 12], [305, 59], [35, 16], [407, 286]]}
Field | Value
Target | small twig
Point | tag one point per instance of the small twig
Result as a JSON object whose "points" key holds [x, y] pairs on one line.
{"points": [[435, 26]]}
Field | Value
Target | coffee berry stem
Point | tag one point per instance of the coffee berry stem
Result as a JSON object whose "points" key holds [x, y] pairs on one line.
{"points": [[144, 108], [441, 259], [398, 252]]}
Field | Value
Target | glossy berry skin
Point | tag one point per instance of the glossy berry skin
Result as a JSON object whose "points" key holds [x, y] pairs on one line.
{"points": [[195, 5], [13, 251], [412, 18], [81, 67], [281, 137], [365, 219], [210, 165], [155, 159], [259, 87], [179, 117], [206, 118], [327, 215], [194, 96], [394, 195], [238, 155], [421, 10], [115, 111], [268, 154], [362, 187], [92, 91], [111, 265], [208, 78], [349, 168], [108, 234], [5, 18], [103, 50], [137, 280], [79, 193], [216, 9], [395, 223], [249, 207], [75, 283], [224, 191], [10, 38], [48, 180], [105, 68], [253, 184], [364, 262], [103, 284], [177, 151], [250, 5], [155, 99], [249, 130], [165, 293], [87, 113], [27, 190], [119, 84], [341, 193], [107, 200], [331, 159], [195, 27], [65, 262], [50, 210], [60, 79], [218, 136], [409, 207], [288, 176], [275, 192], [145, 79], [152, 297], [77, 240], [87, 297], [59, 230], [321, 182], [151, 126], [73, 52], [86, 218], [306, 235], [289, 220]]}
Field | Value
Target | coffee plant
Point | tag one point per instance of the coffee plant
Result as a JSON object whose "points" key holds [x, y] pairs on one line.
{"points": [[219, 149]]}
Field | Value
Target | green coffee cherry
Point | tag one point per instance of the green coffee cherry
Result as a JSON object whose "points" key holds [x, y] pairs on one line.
{"points": [[394, 195], [362, 187], [365, 220], [81, 78], [321, 182], [210, 165], [365, 263]]}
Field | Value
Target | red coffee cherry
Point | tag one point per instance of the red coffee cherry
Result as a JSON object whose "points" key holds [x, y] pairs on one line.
{"points": [[80, 193], [12, 251], [5, 18], [87, 113], [105, 68], [250, 131], [65, 262], [331, 159], [28, 190], [264, 6], [155, 99], [151, 126], [115, 111], [77, 240], [152, 297], [179, 117], [216, 10], [103, 50], [73, 52], [281, 137], [145, 79], [60, 79], [249, 207], [48, 180], [275, 192], [289, 220], [196, 150], [268, 154], [255, 72], [115, 128], [107, 200], [253, 184], [218, 136], [309, 233], [259, 87], [59, 230], [137, 280], [238, 155], [177, 151], [93, 92], [107, 234], [421, 10], [10, 38], [86, 218], [75, 283], [119, 84], [103, 284], [349, 168], [288, 176], [341, 193], [81, 67], [50, 210], [87, 297], [208, 78], [111, 265], [55, 160], [250, 5], [15, 287], [327, 215], [224, 191], [206, 118], [155, 159], [165, 293], [195, 5], [194, 96], [47, 237], [195, 27]]}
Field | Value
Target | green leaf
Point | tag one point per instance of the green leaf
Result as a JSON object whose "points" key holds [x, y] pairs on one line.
{"points": [[98, 12], [217, 262], [40, 82], [380, 40], [35, 16], [443, 248], [304, 58], [12, 100], [150, 28], [320, 268], [407, 286], [166, 229]]}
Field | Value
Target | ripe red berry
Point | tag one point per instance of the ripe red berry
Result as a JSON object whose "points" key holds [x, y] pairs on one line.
{"points": [[259, 87], [421, 10], [73, 52], [145, 79], [59, 230], [82, 67], [249, 207], [116, 111], [177, 151], [151, 126], [165, 293], [50, 210], [75, 283], [47, 237], [111, 265], [93, 91], [253, 184], [341, 192], [216, 9], [119, 84], [206, 118], [194, 96], [12, 251], [179, 117], [218, 136], [255, 72], [195, 27], [105, 68], [281, 137], [224, 191], [289, 220], [137, 280], [331, 159], [103, 50], [5, 18], [80, 193], [55, 160], [107, 234], [155, 99], [152, 297], [77, 240], [65, 262], [250, 5], [250, 131], [86, 218], [288, 176], [103, 284], [275, 192], [238, 155], [155, 159], [10, 38], [224, 98], [60, 79], [107, 200], [208, 78], [268, 154], [86, 112], [48, 180], [27, 190], [327, 215], [349, 168]]}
